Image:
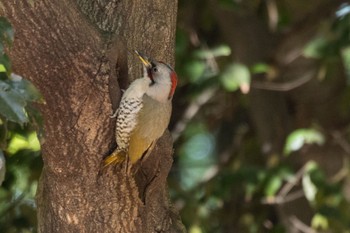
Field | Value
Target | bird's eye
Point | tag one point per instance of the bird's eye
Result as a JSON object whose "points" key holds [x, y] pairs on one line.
{"points": [[155, 69]]}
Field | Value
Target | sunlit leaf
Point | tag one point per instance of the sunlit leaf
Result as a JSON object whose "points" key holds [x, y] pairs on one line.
{"points": [[274, 180], [19, 142], [314, 49], [343, 10], [310, 189], [235, 76], [273, 186], [310, 166], [219, 51], [260, 68], [5, 61], [2, 68], [195, 229], [319, 222], [299, 137], [3, 74]]}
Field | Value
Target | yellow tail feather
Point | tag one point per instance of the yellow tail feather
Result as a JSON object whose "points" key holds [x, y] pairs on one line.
{"points": [[115, 158]]}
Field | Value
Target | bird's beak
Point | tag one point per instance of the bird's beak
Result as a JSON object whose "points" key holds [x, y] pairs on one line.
{"points": [[145, 60]]}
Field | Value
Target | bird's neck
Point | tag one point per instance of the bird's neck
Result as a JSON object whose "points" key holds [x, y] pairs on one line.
{"points": [[159, 92]]}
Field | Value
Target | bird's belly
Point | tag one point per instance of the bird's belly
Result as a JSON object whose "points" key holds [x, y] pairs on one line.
{"points": [[126, 121]]}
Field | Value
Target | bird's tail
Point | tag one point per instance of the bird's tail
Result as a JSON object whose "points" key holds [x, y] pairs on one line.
{"points": [[115, 158]]}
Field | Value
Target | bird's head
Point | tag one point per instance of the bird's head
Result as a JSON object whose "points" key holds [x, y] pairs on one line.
{"points": [[163, 78]]}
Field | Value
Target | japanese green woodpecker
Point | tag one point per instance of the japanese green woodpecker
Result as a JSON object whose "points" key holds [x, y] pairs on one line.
{"points": [[144, 111]]}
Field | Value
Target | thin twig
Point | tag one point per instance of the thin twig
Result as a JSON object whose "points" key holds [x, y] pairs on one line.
{"points": [[299, 225], [202, 98], [284, 194], [341, 141], [287, 86], [192, 110], [292, 182], [279, 200], [273, 14], [345, 146]]}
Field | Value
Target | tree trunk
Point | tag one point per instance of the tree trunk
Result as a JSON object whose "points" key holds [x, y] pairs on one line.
{"points": [[75, 52]]}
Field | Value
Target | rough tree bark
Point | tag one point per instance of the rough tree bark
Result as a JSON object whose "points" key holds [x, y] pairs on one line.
{"points": [[75, 52]]}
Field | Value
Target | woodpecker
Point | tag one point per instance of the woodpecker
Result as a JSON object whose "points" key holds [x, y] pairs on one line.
{"points": [[144, 111]]}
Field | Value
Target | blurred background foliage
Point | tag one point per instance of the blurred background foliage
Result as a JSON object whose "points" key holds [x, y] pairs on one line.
{"points": [[20, 161], [261, 120], [261, 116]]}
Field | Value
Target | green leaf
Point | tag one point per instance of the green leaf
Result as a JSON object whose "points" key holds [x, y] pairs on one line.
{"points": [[319, 221], [6, 31], [195, 229], [345, 52], [20, 142], [315, 48], [235, 76], [310, 189], [219, 51], [2, 68], [195, 70], [260, 68], [25, 88], [12, 104], [273, 185], [299, 137], [5, 61], [3, 72]]}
